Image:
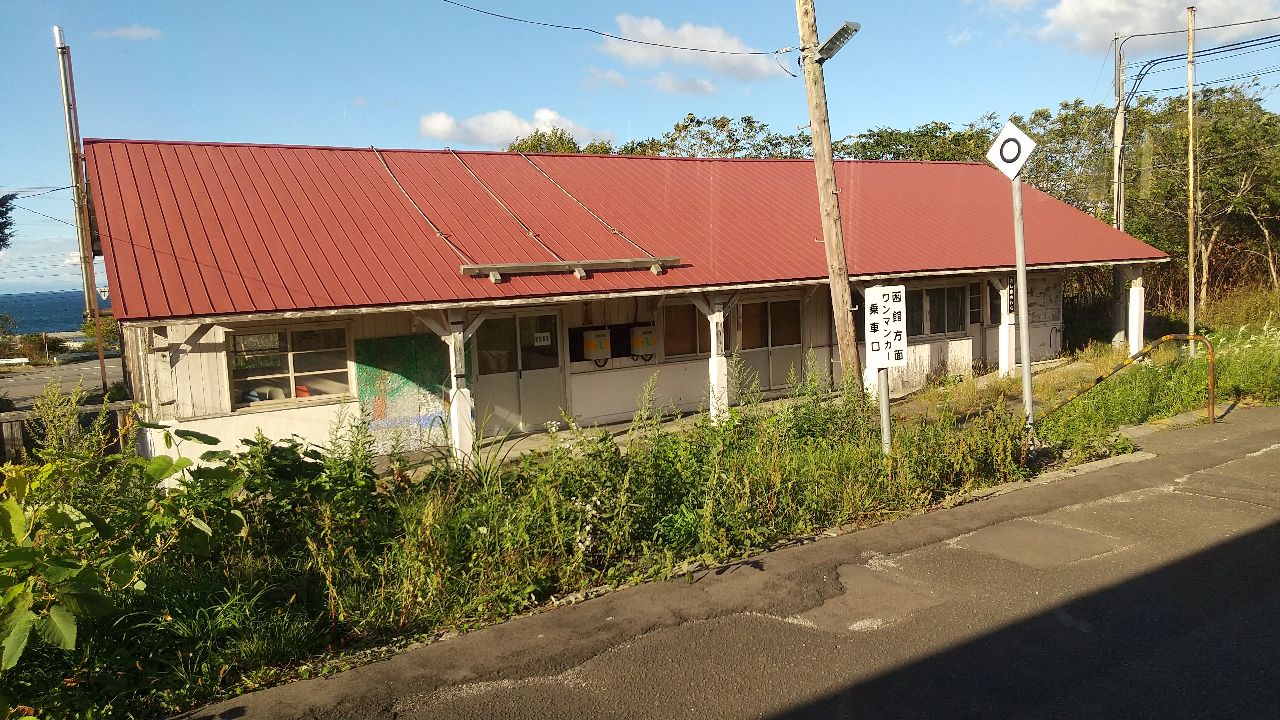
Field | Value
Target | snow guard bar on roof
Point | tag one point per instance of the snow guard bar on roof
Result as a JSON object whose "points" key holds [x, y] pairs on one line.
{"points": [[581, 269]]}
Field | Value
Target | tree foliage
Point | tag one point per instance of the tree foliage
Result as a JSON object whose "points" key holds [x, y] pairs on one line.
{"points": [[6, 219], [555, 140]]}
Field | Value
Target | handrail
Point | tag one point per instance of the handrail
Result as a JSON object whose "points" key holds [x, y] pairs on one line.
{"points": [[1212, 411]]}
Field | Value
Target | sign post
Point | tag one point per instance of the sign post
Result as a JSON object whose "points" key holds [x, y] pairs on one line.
{"points": [[1009, 153], [886, 324]]}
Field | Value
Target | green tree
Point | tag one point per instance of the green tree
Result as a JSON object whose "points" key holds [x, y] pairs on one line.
{"points": [[6, 219], [598, 147], [554, 140], [110, 331], [930, 141]]}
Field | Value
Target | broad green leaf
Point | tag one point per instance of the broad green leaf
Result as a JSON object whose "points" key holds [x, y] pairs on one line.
{"points": [[58, 570], [16, 484], [120, 569], [58, 628], [160, 467], [20, 557], [82, 599], [211, 455], [13, 522], [202, 526], [197, 437], [244, 523], [15, 628], [151, 425], [104, 530]]}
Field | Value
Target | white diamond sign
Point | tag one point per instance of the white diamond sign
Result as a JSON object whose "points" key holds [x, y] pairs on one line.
{"points": [[1010, 150]]}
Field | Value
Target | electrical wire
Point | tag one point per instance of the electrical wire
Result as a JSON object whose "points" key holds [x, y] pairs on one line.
{"points": [[46, 192], [1267, 46], [1206, 27], [611, 36], [1219, 81]]}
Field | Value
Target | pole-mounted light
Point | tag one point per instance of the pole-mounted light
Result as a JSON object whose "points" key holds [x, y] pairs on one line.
{"points": [[828, 49]]}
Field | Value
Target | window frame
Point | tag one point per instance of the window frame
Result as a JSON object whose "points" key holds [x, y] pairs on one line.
{"points": [[926, 329], [290, 373], [698, 319], [768, 301]]}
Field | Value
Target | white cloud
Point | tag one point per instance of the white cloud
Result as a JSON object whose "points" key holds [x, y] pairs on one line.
{"points": [[711, 37], [1090, 24], [668, 83], [500, 127], [960, 38], [130, 32], [597, 78]]}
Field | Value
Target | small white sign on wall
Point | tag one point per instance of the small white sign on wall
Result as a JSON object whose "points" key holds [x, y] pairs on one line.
{"points": [[542, 339], [886, 326]]}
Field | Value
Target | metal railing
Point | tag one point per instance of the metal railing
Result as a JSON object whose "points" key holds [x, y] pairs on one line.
{"points": [[1212, 409]]}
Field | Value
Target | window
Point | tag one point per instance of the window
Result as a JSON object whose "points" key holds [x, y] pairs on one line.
{"points": [[684, 331], [769, 324], [993, 304], [975, 303], [496, 346], [936, 310], [287, 364]]}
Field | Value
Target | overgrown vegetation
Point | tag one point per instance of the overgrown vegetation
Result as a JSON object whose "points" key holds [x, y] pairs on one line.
{"points": [[219, 577], [135, 587]]}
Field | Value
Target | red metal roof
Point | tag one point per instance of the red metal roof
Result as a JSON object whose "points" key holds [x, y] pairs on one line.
{"points": [[197, 229]]}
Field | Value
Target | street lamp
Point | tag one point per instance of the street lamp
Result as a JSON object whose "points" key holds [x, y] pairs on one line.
{"points": [[828, 49]]}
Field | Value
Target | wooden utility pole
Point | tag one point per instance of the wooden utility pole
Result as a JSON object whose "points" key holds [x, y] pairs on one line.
{"points": [[1119, 278], [828, 194], [1191, 175], [78, 191]]}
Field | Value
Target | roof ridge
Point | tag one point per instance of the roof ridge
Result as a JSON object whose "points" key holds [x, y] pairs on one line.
{"points": [[445, 150]]}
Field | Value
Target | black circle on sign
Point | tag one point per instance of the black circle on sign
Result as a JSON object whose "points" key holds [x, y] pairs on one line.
{"points": [[1017, 149]]}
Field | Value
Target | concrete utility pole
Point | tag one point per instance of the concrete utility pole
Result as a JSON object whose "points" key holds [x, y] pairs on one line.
{"points": [[828, 198], [76, 154], [1119, 278], [1191, 176]]}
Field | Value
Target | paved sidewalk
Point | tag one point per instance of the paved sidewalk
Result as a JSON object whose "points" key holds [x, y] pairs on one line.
{"points": [[1147, 588]]}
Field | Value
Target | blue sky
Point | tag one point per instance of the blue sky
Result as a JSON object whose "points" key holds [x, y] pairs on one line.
{"points": [[427, 74]]}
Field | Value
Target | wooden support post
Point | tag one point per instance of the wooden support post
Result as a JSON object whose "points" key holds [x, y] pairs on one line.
{"points": [[718, 362], [462, 426]]}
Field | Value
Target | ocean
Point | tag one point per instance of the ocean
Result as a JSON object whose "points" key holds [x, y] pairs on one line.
{"points": [[56, 311]]}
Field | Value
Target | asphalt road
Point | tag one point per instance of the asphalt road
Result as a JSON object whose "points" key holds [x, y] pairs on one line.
{"points": [[24, 384], [1146, 588]]}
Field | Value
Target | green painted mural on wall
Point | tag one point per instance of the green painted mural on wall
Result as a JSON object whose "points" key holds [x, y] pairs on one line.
{"points": [[401, 382]]}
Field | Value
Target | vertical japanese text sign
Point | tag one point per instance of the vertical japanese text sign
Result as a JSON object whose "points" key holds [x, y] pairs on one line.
{"points": [[886, 326]]}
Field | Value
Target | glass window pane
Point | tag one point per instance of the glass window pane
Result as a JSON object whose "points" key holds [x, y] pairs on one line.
{"points": [[496, 346], [247, 392], [937, 300], [955, 309], [258, 341], [679, 330], [304, 362], [784, 323], [915, 313], [319, 339], [251, 365], [539, 343], [324, 384], [993, 302], [755, 326], [975, 303]]}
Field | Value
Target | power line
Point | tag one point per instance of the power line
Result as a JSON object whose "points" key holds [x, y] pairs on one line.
{"points": [[612, 36], [37, 212], [1207, 27], [1219, 81], [46, 192], [1266, 46]]}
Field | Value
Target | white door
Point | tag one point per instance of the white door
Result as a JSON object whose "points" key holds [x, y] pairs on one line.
{"points": [[541, 378], [519, 377]]}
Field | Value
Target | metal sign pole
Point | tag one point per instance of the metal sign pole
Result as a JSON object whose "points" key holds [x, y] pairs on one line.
{"points": [[886, 434], [1024, 331], [1008, 154]]}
